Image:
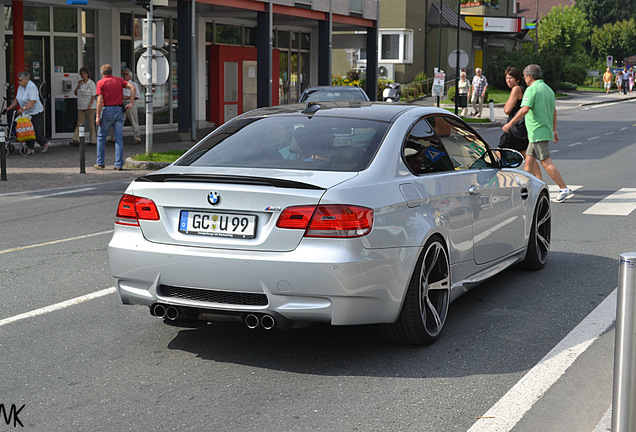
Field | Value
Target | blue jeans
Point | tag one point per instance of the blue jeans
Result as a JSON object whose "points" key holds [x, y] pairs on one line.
{"points": [[111, 116]]}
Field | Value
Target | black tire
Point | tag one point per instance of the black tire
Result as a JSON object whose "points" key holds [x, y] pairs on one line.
{"points": [[540, 235], [425, 307]]}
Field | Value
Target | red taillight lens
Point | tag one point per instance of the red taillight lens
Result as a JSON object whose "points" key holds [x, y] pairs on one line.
{"points": [[132, 208], [328, 220], [295, 217]]}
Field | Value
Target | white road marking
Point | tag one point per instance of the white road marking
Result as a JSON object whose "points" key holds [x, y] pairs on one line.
{"points": [[593, 138], [624, 128], [575, 144], [57, 306], [511, 408], [54, 242], [620, 203]]}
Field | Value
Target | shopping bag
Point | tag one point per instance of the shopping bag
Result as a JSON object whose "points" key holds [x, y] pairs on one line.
{"points": [[24, 129]]}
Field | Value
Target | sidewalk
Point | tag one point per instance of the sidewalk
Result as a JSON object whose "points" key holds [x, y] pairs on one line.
{"points": [[60, 166]]}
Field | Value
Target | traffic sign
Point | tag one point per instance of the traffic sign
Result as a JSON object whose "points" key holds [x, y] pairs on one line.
{"points": [[610, 61], [463, 59], [160, 69]]}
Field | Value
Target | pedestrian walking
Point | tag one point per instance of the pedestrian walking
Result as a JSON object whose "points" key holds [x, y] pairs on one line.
{"points": [[538, 108], [464, 89], [110, 113], [607, 80], [86, 97], [480, 85], [625, 81], [619, 80], [27, 102], [517, 137], [132, 114]]}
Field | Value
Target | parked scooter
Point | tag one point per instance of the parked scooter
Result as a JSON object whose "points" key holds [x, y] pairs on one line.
{"points": [[391, 93]]}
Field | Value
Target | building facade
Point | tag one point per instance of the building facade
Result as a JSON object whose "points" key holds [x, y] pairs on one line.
{"points": [[223, 57]]}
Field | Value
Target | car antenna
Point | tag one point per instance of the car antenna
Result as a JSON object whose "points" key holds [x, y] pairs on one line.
{"points": [[311, 108]]}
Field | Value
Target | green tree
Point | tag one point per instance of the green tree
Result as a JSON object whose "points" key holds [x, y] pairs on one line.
{"points": [[617, 39], [564, 31], [600, 12]]}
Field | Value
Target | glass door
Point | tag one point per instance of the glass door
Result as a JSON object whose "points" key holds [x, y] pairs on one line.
{"points": [[36, 60]]}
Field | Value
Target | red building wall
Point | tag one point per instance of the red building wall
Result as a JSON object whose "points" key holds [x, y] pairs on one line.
{"points": [[219, 54]]}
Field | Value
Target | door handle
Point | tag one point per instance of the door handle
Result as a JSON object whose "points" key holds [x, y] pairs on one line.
{"points": [[474, 190]]}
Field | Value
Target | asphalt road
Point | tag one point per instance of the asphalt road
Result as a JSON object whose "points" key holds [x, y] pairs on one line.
{"points": [[94, 364]]}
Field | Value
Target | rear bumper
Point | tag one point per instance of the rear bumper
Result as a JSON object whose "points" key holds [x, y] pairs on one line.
{"points": [[332, 281]]}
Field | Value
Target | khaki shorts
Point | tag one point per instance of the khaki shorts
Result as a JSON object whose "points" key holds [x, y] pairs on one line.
{"points": [[540, 150]]}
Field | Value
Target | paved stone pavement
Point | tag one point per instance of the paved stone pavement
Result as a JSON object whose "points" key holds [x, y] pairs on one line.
{"points": [[60, 166]]}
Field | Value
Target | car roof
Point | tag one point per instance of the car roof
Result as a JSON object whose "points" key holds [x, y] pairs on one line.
{"points": [[378, 111], [336, 87]]}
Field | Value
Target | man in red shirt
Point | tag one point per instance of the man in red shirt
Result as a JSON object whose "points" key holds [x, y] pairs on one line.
{"points": [[110, 113]]}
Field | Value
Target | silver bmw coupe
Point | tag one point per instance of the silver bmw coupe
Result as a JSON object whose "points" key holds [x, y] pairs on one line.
{"points": [[341, 213]]}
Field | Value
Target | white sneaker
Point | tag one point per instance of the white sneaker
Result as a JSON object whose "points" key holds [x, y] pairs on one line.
{"points": [[564, 194]]}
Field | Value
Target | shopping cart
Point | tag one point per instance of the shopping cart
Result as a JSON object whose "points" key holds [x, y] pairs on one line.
{"points": [[9, 133]]}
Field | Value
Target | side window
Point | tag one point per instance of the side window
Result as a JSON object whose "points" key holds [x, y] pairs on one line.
{"points": [[465, 149], [422, 151]]}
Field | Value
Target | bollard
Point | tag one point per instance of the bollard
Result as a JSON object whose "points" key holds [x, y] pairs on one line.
{"points": [[624, 392], [3, 156], [491, 105], [82, 150]]}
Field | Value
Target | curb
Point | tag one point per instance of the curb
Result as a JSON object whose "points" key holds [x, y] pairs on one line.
{"points": [[145, 165]]}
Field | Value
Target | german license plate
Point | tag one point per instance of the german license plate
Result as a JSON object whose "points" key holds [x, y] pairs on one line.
{"points": [[217, 224]]}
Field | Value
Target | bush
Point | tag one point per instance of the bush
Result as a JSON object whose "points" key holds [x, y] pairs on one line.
{"points": [[567, 86], [574, 72], [420, 76]]}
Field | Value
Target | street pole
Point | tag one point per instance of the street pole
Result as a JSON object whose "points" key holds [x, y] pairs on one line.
{"points": [[624, 389], [459, 4], [149, 78], [439, 46], [193, 64]]}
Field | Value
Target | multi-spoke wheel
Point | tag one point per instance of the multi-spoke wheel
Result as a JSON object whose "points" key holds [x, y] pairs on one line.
{"points": [[539, 242], [425, 307]]}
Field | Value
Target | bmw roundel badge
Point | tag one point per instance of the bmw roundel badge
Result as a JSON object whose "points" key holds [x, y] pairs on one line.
{"points": [[214, 198]]}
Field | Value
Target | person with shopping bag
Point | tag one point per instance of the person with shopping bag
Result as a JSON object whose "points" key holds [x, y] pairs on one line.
{"points": [[27, 102]]}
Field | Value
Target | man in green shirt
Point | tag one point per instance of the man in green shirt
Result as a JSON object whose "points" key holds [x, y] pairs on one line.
{"points": [[538, 107]]}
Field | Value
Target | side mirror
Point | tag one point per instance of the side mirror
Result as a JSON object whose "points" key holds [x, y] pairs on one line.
{"points": [[509, 158]]}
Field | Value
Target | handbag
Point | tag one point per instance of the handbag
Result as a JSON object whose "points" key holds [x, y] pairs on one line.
{"points": [[519, 131], [24, 130]]}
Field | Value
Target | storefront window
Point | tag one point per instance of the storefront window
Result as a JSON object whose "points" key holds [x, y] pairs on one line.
{"points": [[35, 18], [88, 21], [65, 20], [65, 49], [125, 24], [250, 36], [209, 32], [282, 39], [227, 34], [88, 56]]}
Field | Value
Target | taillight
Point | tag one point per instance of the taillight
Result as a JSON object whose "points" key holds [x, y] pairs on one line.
{"points": [[334, 220], [132, 208]]}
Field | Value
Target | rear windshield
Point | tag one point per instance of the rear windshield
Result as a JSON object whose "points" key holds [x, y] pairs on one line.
{"points": [[306, 143]]}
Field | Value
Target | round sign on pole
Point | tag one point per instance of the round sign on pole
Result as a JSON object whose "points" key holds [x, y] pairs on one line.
{"points": [[160, 69], [463, 59], [610, 61]]}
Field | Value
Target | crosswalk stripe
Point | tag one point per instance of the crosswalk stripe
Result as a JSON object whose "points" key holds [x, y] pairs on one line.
{"points": [[620, 203]]}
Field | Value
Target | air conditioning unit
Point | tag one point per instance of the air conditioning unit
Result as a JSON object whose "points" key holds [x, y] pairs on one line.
{"points": [[387, 71]]}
